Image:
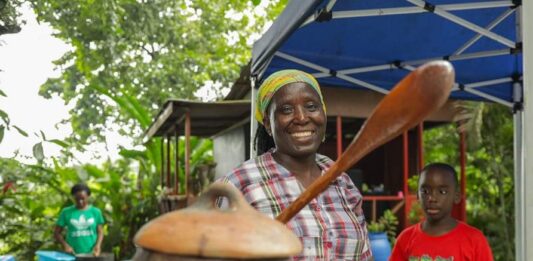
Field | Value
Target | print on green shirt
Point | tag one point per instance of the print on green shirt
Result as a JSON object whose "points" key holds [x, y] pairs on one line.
{"points": [[81, 226]]}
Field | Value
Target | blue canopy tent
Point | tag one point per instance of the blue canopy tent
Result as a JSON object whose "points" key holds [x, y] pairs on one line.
{"points": [[373, 44]]}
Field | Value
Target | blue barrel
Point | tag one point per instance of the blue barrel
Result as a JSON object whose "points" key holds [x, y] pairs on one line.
{"points": [[53, 256], [7, 258], [380, 245]]}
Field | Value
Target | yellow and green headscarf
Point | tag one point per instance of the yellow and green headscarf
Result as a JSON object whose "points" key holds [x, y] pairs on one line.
{"points": [[277, 80]]}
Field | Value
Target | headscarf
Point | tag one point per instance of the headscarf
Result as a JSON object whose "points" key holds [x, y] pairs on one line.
{"points": [[274, 82]]}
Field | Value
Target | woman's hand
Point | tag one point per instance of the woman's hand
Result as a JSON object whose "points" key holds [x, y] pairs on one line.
{"points": [[96, 250]]}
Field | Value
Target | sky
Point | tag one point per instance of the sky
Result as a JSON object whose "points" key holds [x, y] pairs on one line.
{"points": [[26, 63]]}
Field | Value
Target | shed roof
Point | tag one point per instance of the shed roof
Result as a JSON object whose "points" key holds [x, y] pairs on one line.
{"points": [[207, 118]]}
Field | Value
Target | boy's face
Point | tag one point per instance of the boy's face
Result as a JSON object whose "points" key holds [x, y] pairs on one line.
{"points": [[81, 199], [437, 193]]}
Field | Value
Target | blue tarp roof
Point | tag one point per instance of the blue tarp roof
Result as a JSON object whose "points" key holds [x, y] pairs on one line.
{"points": [[373, 44]]}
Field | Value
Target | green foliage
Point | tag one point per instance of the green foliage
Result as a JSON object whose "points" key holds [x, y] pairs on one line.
{"points": [[388, 223], [151, 50], [38, 192], [127, 58], [6, 123], [9, 16], [489, 170]]}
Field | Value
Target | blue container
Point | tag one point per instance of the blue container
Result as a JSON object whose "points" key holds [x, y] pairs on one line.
{"points": [[380, 245], [7, 258], [53, 256]]}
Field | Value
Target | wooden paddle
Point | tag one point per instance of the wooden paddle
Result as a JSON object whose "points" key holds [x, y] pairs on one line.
{"points": [[421, 92]]}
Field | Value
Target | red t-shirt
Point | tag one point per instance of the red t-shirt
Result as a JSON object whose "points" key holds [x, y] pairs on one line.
{"points": [[462, 243]]}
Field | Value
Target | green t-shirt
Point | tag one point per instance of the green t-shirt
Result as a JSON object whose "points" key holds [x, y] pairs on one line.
{"points": [[81, 226]]}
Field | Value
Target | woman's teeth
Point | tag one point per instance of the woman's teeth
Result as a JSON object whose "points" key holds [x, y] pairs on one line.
{"points": [[302, 134]]}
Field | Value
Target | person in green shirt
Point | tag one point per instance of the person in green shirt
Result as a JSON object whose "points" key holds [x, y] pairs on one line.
{"points": [[83, 224]]}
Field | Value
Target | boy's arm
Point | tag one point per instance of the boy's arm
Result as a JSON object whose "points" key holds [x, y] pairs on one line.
{"points": [[99, 232], [59, 237], [97, 247]]}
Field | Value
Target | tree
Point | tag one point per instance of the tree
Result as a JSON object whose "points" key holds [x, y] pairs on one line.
{"points": [[9, 23], [128, 57], [149, 49]]}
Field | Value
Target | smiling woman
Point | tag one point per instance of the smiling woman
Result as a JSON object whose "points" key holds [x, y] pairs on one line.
{"points": [[292, 117]]}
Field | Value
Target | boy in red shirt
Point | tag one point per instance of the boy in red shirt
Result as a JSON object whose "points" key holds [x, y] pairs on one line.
{"points": [[440, 237]]}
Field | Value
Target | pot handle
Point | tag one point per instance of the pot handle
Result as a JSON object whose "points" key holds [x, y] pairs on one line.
{"points": [[212, 197]]}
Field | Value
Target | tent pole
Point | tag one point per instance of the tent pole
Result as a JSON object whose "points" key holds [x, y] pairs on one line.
{"points": [[526, 23], [519, 185], [253, 120]]}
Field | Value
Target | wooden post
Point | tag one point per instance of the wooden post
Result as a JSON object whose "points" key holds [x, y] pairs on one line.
{"points": [[177, 162], [162, 162], [420, 130], [462, 154], [187, 151], [169, 183], [339, 136], [407, 206]]}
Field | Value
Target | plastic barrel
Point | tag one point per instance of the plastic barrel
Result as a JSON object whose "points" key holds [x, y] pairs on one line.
{"points": [[380, 245], [53, 256], [7, 258]]}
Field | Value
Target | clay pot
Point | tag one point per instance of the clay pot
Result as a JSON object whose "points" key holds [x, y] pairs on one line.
{"points": [[205, 231]]}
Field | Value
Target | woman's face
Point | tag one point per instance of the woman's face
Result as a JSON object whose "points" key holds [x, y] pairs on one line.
{"points": [[296, 120], [81, 199]]}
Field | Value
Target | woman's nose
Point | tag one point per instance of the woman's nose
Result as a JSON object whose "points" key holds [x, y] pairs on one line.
{"points": [[301, 114]]}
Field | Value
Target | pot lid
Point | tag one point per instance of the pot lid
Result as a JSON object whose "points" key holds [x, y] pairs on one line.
{"points": [[205, 230]]}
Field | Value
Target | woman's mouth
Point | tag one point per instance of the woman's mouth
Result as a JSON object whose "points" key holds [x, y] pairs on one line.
{"points": [[301, 134]]}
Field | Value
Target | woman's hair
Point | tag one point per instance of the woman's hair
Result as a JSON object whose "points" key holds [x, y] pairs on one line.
{"points": [[262, 141], [80, 187]]}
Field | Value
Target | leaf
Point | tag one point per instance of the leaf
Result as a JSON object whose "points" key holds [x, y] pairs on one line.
{"points": [[4, 117], [94, 171], [23, 133], [2, 133], [2, 93], [256, 2], [60, 143], [42, 135], [132, 154], [38, 151]]}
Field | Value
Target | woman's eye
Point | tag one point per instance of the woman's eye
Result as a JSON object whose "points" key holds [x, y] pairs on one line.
{"points": [[286, 109], [312, 107], [424, 191], [443, 192]]}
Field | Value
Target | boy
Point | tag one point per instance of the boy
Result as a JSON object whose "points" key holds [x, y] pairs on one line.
{"points": [[83, 223], [440, 236]]}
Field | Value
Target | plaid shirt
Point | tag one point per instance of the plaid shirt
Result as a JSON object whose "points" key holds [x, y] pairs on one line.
{"points": [[331, 227]]}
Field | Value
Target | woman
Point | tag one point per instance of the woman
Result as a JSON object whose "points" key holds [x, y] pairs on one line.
{"points": [[83, 223], [292, 117]]}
